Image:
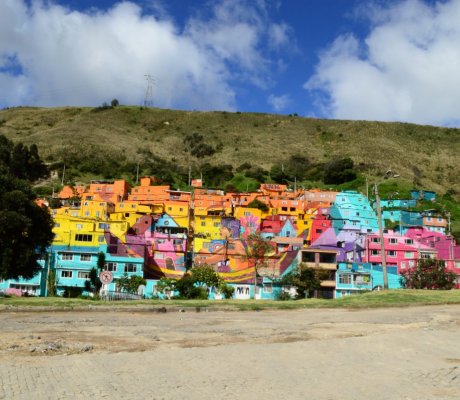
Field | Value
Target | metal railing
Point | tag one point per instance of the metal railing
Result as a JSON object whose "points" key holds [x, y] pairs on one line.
{"points": [[119, 296]]}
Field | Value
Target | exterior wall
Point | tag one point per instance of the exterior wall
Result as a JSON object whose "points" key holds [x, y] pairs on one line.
{"points": [[352, 211], [401, 251]]}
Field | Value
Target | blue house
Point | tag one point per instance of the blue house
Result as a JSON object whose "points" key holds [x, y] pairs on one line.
{"points": [[356, 278], [423, 195], [351, 211]]}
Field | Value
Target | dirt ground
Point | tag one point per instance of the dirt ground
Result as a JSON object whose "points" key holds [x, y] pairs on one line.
{"points": [[394, 353]]}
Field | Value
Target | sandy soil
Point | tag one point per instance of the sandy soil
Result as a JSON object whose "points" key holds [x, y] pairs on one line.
{"points": [[396, 353]]}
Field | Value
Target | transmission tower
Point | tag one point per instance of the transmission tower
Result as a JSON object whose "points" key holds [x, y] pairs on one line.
{"points": [[148, 101]]}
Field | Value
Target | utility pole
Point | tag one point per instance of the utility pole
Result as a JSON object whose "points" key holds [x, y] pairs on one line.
{"points": [[148, 101], [382, 241], [63, 173], [137, 173]]}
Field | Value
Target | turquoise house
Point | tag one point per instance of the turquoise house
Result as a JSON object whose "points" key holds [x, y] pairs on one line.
{"points": [[356, 278], [351, 211]]}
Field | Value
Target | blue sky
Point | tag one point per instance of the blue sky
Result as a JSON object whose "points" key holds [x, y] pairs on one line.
{"points": [[394, 60]]}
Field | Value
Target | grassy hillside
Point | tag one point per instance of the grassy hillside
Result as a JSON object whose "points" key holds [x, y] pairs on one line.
{"points": [[124, 136]]}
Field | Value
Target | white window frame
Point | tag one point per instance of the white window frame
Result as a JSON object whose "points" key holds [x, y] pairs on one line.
{"points": [[66, 274]]}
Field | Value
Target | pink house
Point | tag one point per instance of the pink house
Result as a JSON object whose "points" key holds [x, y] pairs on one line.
{"points": [[401, 251]]}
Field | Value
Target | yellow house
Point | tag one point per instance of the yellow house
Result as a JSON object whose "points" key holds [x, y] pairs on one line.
{"points": [[96, 209], [207, 226], [179, 211], [74, 231]]}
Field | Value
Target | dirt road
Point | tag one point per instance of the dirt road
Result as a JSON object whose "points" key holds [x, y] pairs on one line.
{"points": [[408, 353]]}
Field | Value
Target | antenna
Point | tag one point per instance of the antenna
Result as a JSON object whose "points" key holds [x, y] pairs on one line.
{"points": [[148, 101]]}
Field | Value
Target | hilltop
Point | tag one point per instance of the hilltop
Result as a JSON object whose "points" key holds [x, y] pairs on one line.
{"points": [[104, 141]]}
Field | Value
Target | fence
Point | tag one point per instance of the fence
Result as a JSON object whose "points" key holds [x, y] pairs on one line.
{"points": [[119, 296]]}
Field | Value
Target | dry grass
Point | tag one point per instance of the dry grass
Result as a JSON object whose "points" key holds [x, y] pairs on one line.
{"points": [[262, 139]]}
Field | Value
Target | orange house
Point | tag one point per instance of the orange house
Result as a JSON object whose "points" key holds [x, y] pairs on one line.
{"points": [[112, 192], [68, 192]]}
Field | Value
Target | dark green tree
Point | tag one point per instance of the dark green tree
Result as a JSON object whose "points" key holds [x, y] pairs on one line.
{"points": [[25, 227], [256, 203], [305, 280], [339, 171]]}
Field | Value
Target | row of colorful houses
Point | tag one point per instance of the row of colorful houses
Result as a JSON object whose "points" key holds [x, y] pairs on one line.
{"points": [[155, 232]]}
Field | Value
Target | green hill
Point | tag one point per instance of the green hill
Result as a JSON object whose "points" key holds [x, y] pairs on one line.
{"points": [[103, 142]]}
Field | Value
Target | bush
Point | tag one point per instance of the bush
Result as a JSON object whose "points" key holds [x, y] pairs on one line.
{"points": [[72, 292], [226, 290], [283, 296]]}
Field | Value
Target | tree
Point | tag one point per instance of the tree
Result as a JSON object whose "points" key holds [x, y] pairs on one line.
{"points": [[339, 171], [256, 203], [204, 275], [429, 274], [25, 227], [114, 103], [257, 251], [130, 284], [306, 280]]}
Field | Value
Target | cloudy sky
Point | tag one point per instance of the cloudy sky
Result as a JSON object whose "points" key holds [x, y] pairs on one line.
{"points": [[393, 60]]}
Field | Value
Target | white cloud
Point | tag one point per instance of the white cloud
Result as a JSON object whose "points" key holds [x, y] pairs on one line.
{"points": [[406, 69], [279, 103], [70, 57]]}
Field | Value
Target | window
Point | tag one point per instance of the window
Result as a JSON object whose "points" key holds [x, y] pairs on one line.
{"points": [[101, 238], [393, 240], [111, 266], [85, 257], [375, 240], [159, 256], [392, 253], [409, 241], [345, 279], [83, 238], [177, 241], [130, 268], [216, 224], [83, 275], [66, 274], [67, 256], [268, 288], [79, 226], [408, 254], [104, 225], [57, 224], [319, 231], [375, 252], [86, 213]]}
